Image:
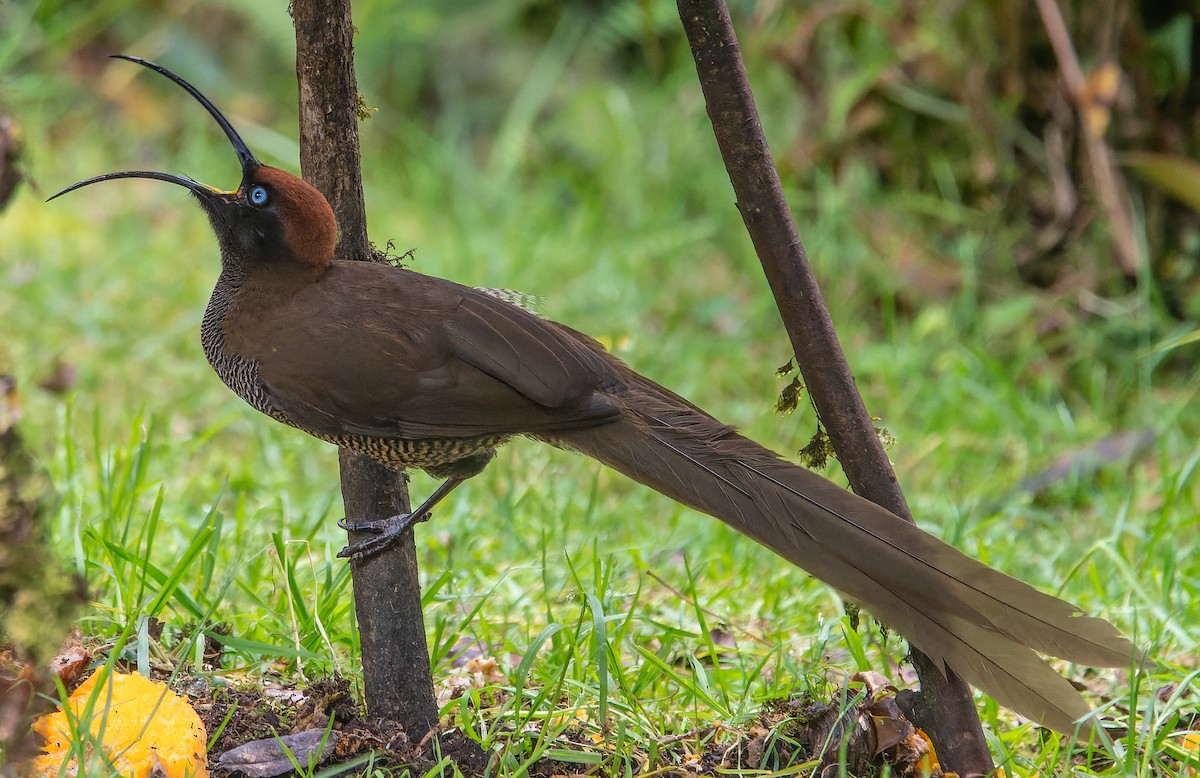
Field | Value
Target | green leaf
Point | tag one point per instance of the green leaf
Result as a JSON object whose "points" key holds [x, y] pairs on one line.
{"points": [[260, 648], [1178, 177]]}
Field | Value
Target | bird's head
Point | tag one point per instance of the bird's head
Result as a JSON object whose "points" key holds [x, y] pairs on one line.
{"points": [[273, 216]]}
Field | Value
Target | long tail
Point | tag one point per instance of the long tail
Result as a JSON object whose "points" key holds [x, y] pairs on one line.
{"points": [[980, 623]]}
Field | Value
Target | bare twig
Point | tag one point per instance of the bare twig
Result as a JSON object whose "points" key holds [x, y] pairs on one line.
{"points": [[694, 734], [1109, 186]]}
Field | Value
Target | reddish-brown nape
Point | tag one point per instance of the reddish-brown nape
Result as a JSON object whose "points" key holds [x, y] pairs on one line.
{"points": [[308, 223]]}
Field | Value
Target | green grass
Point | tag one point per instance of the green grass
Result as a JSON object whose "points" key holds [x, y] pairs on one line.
{"points": [[528, 163]]}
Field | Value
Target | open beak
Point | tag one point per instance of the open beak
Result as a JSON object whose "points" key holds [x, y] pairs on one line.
{"points": [[205, 192]]}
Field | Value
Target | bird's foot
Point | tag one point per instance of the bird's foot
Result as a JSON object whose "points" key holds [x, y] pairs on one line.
{"points": [[387, 531]]}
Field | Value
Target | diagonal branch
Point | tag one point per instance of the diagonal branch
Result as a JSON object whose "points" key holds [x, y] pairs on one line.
{"points": [[952, 720]]}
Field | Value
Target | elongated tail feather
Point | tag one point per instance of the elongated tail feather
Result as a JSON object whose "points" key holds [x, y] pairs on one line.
{"points": [[976, 621]]}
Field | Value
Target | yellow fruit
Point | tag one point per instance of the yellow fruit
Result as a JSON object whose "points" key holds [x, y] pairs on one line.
{"points": [[139, 724]]}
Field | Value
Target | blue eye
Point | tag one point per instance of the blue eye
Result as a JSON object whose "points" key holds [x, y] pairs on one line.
{"points": [[258, 195]]}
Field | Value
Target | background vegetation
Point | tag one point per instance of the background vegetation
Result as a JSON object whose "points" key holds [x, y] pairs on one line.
{"points": [[563, 150]]}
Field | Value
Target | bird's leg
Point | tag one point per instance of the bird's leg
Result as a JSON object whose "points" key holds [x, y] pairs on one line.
{"points": [[388, 531]]}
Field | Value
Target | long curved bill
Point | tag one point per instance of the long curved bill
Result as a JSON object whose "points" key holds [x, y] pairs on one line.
{"points": [[246, 158], [204, 190]]}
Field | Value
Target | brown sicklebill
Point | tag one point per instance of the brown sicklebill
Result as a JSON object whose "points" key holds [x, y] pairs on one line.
{"points": [[416, 371]]}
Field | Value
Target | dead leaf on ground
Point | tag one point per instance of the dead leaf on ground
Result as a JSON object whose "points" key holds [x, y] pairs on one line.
{"points": [[61, 377], [278, 755], [870, 732]]}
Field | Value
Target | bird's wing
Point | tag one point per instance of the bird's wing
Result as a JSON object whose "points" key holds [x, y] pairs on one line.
{"points": [[544, 361], [375, 350]]}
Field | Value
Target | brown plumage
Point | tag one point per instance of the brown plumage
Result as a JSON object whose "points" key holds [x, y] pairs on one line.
{"points": [[422, 372]]}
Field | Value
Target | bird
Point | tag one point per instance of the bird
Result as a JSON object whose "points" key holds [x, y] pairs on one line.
{"points": [[416, 371]]}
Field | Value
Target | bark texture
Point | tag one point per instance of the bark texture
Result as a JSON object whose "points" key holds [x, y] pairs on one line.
{"points": [[387, 592]]}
